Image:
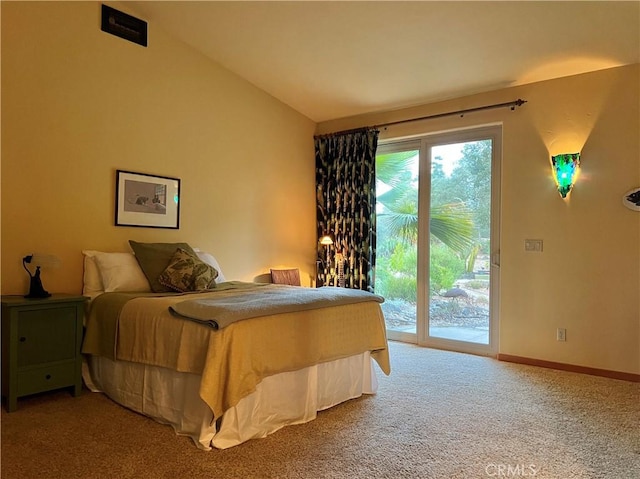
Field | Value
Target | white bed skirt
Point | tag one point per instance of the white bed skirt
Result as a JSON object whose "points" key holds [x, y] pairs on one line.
{"points": [[172, 397]]}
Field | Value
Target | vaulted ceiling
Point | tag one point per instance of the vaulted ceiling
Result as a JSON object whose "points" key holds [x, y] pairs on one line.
{"points": [[332, 59]]}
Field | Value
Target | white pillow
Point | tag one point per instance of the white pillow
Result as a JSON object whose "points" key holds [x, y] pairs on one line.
{"points": [[121, 272], [92, 282], [211, 261]]}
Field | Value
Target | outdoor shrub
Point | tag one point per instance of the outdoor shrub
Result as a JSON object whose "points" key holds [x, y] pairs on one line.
{"points": [[396, 275], [404, 259], [402, 287], [446, 267], [478, 284]]}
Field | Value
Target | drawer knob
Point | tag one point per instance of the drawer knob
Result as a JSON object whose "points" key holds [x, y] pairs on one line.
{"points": [[22, 339], [48, 376]]}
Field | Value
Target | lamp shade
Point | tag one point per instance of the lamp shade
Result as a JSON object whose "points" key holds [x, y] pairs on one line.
{"points": [[44, 260], [326, 240], [565, 168]]}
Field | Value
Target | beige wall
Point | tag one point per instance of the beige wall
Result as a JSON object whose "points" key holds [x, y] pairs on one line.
{"points": [[587, 279], [78, 103]]}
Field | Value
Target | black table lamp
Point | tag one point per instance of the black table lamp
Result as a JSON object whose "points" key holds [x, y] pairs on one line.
{"points": [[36, 290]]}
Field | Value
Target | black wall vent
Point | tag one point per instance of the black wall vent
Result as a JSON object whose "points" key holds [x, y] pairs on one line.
{"points": [[124, 26]]}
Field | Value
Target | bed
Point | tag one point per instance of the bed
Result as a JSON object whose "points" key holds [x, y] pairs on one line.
{"points": [[196, 360]]}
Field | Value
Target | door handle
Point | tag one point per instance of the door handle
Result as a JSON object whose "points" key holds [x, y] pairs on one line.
{"points": [[495, 259]]}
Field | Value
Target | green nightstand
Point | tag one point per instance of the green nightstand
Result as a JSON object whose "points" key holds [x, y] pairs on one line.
{"points": [[41, 340]]}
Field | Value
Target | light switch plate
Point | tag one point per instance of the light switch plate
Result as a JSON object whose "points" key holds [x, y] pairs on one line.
{"points": [[534, 245]]}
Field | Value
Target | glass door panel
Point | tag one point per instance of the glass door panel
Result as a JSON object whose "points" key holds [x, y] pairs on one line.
{"points": [[397, 235], [459, 242]]}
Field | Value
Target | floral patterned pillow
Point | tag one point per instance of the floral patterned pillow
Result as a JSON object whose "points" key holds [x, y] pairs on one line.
{"points": [[186, 272]]}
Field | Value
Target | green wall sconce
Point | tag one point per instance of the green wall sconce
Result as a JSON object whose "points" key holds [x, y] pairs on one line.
{"points": [[565, 169]]}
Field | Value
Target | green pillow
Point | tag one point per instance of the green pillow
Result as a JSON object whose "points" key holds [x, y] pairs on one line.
{"points": [[186, 272], [154, 258]]}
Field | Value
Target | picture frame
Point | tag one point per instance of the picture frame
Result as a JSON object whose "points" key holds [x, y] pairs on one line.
{"points": [[148, 201], [631, 199]]}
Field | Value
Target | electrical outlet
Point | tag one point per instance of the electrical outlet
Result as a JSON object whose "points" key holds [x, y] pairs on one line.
{"points": [[561, 334]]}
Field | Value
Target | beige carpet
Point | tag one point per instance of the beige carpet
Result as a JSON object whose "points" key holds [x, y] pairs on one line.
{"points": [[439, 415]]}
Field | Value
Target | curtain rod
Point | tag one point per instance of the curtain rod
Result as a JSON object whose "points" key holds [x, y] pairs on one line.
{"points": [[510, 104]]}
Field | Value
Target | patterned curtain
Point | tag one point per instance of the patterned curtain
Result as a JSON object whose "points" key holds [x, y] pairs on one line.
{"points": [[346, 207]]}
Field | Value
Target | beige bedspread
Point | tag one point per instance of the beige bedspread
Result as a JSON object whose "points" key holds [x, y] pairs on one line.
{"points": [[232, 360]]}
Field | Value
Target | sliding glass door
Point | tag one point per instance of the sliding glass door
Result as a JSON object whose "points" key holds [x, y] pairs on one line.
{"points": [[438, 242]]}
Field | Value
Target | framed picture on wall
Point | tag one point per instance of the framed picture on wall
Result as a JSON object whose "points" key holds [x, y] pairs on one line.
{"points": [[149, 201], [631, 199]]}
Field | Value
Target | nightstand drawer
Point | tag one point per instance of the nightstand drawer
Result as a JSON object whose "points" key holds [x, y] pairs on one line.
{"points": [[52, 376], [46, 336]]}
